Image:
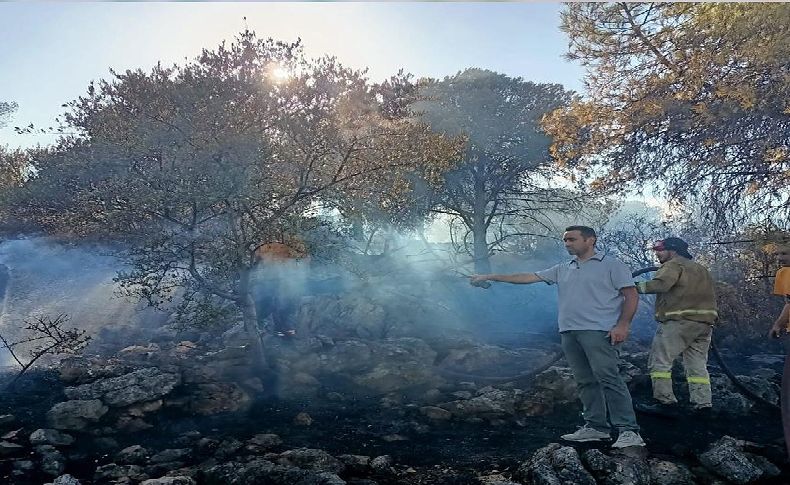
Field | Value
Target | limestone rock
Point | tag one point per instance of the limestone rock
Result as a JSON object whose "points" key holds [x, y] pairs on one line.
{"points": [[132, 455], [179, 480], [554, 465], [7, 448], [436, 413], [263, 442], [217, 397], [50, 437], [668, 473], [622, 467], [259, 471], [381, 464], [113, 471], [66, 480], [143, 385], [170, 455], [76, 415], [728, 459], [52, 461], [310, 459]]}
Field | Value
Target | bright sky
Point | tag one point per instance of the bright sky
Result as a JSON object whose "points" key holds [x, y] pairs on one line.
{"points": [[49, 52]]}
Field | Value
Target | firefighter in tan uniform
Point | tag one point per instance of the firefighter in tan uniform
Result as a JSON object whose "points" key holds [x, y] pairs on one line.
{"points": [[686, 311]]}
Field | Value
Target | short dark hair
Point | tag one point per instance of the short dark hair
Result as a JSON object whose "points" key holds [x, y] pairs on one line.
{"points": [[584, 230]]}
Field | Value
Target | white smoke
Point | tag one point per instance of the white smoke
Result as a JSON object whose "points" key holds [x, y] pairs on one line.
{"points": [[46, 278]]}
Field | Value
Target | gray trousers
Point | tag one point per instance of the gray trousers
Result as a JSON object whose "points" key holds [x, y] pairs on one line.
{"points": [[593, 361]]}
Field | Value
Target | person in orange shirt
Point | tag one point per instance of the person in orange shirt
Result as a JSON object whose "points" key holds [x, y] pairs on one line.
{"points": [[279, 284], [780, 328]]}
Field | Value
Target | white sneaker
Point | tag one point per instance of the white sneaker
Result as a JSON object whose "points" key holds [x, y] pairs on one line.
{"points": [[628, 438], [585, 433]]}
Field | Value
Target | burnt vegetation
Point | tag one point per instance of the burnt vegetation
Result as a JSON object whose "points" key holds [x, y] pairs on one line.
{"points": [[267, 275]]}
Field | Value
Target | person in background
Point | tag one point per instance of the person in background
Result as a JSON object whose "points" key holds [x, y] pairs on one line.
{"points": [[781, 327], [597, 301], [279, 284], [686, 310]]}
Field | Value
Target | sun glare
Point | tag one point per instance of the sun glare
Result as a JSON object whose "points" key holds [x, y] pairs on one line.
{"points": [[280, 74]]}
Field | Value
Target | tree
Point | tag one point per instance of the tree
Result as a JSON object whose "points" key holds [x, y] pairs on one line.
{"points": [[14, 170], [6, 109], [693, 95], [13, 167], [505, 163], [12, 163], [397, 202], [195, 167]]}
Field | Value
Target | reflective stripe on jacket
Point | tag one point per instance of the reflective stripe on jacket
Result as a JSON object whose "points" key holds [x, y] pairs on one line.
{"points": [[684, 291]]}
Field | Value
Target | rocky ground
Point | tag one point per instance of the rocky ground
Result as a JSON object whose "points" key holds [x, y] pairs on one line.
{"points": [[336, 410]]}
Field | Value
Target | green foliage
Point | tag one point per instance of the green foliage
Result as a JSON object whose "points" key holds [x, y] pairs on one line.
{"points": [[14, 171], [743, 267], [6, 109], [13, 167], [505, 162], [195, 166], [693, 95]]}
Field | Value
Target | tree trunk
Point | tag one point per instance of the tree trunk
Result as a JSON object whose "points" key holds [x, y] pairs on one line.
{"points": [[250, 318], [482, 262], [479, 226]]}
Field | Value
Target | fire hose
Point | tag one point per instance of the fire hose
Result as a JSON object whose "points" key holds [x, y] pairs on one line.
{"points": [[528, 376]]}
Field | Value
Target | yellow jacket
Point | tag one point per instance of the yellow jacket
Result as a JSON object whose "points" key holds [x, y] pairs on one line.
{"points": [[684, 291]]}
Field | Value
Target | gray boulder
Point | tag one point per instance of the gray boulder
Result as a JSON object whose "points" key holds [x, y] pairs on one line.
{"points": [[495, 479], [436, 413], [112, 472], [381, 464], [623, 467], [260, 471], [135, 387], [473, 357], [490, 403], [355, 464], [668, 473], [179, 480], [551, 388], [52, 461], [554, 465], [347, 316], [263, 442], [81, 370], [7, 448], [727, 399], [50, 437], [66, 480], [171, 455], [132, 455], [310, 459], [729, 459], [76, 415]]}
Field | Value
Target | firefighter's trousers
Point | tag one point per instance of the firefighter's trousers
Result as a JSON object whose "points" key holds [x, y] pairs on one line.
{"points": [[691, 340]]}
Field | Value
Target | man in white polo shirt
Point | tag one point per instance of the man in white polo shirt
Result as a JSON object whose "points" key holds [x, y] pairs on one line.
{"points": [[597, 301]]}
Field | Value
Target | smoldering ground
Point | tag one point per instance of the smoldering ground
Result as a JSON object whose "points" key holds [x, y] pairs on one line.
{"points": [[357, 378]]}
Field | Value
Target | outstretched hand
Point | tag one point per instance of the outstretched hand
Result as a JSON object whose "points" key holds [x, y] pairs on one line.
{"points": [[480, 281], [477, 278]]}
